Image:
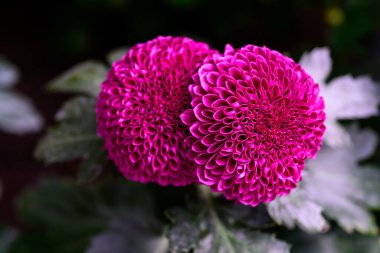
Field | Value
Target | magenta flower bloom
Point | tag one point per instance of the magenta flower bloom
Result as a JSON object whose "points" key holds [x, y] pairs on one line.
{"points": [[257, 116], [139, 107]]}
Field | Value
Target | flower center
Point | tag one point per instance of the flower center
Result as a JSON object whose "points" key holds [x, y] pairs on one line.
{"points": [[266, 128]]}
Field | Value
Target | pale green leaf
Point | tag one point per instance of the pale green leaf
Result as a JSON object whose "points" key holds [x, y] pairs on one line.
{"points": [[336, 185], [85, 78], [298, 210]]}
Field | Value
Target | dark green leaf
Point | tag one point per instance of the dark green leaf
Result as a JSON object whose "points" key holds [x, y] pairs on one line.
{"points": [[130, 230], [256, 218], [83, 78], [334, 242], [92, 166], [121, 241], [63, 217], [185, 232]]}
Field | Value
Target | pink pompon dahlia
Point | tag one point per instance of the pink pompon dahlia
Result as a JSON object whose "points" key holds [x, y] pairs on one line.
{"points": [[257, 116], [139, 107]]}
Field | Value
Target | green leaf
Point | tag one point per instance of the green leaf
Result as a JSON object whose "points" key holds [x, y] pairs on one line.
{"points": [[206, 230], [7, 238], [116, 54], [84, 78], [336, 185], [256, 218], [128, 232], [60, 217], [298, 209], [63, 217], [185, 232], [77, 108], [75, 136], [92, 166], [221, 238]]}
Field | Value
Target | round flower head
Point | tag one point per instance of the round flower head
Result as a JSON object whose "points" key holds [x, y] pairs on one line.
{"points": [[257, 116], [139, 107]]}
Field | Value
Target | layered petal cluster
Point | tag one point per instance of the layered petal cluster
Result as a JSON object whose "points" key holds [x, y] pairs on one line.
{"points": [[257, 117], [139, 106]]}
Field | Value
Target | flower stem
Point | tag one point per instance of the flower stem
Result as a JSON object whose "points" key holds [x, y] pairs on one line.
{"points": [[205, 194]]}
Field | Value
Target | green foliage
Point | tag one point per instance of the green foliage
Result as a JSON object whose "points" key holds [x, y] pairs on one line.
{"points": [[63, 217], [119, 217], [204, 229], [92, 166], [75, 136], [83, 78]]}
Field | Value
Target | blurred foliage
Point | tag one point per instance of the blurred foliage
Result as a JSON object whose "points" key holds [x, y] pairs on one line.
{"points": [[75, 136], [353, 39], [118, 216], [7, 237], [83, 78], [63, 217], [335, 241], [17, 112]]}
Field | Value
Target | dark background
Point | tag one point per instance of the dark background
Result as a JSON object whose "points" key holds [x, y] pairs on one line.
{"points": [[45, 38]]}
